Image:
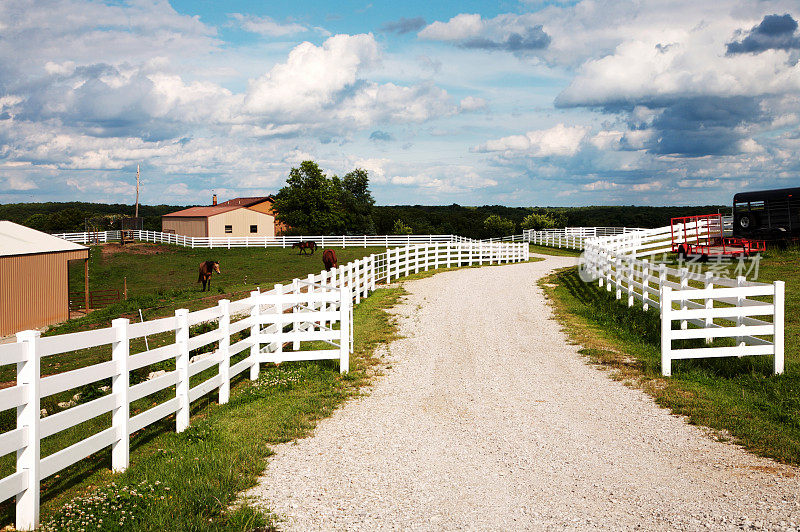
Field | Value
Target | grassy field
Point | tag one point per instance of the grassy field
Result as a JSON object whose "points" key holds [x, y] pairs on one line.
{"points": [[559, 252], [161, 278], [739, 397], [190, 481]]}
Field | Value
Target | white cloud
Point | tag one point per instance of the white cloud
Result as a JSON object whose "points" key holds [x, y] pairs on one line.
{"points": [[267, 26], [472, 103], [646, 187], [560, 140], [600, 185], [460, 27]]}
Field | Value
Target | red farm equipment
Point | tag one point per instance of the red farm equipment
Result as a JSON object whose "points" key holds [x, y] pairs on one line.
{"points": [[703, 236]]}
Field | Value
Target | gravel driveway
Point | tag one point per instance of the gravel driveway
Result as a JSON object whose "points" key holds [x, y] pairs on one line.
{"points": [[489, 420]]}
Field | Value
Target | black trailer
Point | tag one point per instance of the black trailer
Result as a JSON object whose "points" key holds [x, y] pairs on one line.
{"points": [[767, 214]]}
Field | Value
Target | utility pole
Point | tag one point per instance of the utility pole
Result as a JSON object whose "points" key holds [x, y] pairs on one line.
{"points": [[137, 192]]}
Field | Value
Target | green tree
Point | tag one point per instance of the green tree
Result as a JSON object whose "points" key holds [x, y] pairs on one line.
{"points": [[538, 222], [312, 203], [497, 226], [400, 228], [357, 202]]}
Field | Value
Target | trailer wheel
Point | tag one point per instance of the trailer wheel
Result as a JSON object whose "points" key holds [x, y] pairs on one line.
{"points": [[683, 252], [748, 222]]}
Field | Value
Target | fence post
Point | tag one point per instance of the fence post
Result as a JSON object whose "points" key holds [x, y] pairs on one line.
{"points": [[777, 320], [224, 351], [662, 278], [372, 273], [740, 282], [617, 277], [182, 368], [684, 286], [631, 278], [666, 331], [295, 312], [645, 284], [344, 329], [278, 308], [255, 330], [709, 303], [28, 416], [120, 384]]}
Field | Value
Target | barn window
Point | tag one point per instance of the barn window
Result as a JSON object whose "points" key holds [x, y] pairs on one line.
{"points": [[254, 229], [228, 229]]}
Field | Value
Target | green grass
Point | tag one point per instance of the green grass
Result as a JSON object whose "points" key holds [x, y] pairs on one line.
{"points": [[559, 252], [739, 397], [197, 475], [162, 278]]}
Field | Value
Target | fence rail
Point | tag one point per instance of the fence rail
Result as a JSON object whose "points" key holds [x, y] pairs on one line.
{"points": [[97, 298], [263, 242], [747, 315], [286, 323]]}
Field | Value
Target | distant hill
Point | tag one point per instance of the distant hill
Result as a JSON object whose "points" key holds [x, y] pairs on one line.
{"points": [[423, 219]]}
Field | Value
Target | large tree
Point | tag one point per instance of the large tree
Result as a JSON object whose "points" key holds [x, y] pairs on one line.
{"points": [[313, 204]]}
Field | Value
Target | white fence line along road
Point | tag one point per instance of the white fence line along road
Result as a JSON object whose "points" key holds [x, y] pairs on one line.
{"points": [[307, 310], [490, 419], [707, 306], [263, 242]]}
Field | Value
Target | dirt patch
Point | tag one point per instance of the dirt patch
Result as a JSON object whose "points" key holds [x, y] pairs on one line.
{"points": [[137, 248]]}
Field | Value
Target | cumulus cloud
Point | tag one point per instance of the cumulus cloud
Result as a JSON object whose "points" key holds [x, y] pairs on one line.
{"points": [[775, 32], [560, 141], [600, 185], [459, 28], [472, 103], [471, 31], [266, 26], [404, 25], [533, 39]]}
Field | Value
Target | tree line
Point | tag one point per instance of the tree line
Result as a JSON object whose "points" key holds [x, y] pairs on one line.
{"points": [[313, 203]]}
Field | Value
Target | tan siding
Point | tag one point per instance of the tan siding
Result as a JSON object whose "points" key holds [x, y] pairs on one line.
{"points": [[34, 290], [241, 220], [184, 226], [266, 208]]}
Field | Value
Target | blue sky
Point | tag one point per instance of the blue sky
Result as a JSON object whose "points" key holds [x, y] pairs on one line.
{"points": [[596, 102]]}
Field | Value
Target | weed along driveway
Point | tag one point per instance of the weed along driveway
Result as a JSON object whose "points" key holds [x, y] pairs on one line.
{"points": [[487, 418]]}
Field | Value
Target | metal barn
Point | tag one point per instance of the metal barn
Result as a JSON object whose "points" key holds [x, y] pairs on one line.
{"points": [[34, 288]]}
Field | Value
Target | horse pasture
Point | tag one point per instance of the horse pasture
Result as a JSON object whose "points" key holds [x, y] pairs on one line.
{"points": [[170, 272]]}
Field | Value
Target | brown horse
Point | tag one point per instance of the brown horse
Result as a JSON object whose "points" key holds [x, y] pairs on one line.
{"points": [[329, 259], [304, 245], [206, 269]]}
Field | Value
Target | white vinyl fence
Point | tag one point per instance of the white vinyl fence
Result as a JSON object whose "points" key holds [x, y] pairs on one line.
{"points": [[287, 323], [749, 314], [572, 237], [262, 241]]}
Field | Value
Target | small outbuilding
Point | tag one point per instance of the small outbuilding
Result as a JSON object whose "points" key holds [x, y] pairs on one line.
{"points": [[234, 218], [34, 284]]}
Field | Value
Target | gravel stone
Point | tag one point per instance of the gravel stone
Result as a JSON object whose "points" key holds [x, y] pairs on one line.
{"points": [[488, 419]]}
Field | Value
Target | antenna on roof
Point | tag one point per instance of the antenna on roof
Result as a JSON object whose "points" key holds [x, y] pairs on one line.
{"points": [[136, 215]]}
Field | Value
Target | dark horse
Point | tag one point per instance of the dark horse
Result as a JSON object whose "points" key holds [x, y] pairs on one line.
{"points": [[206, 269], [329, 259], [304, 245]]}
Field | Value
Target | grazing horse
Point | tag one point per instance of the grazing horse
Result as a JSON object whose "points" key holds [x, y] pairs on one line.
{"points": [[206, 269], [329, 259], [304, 245]]}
